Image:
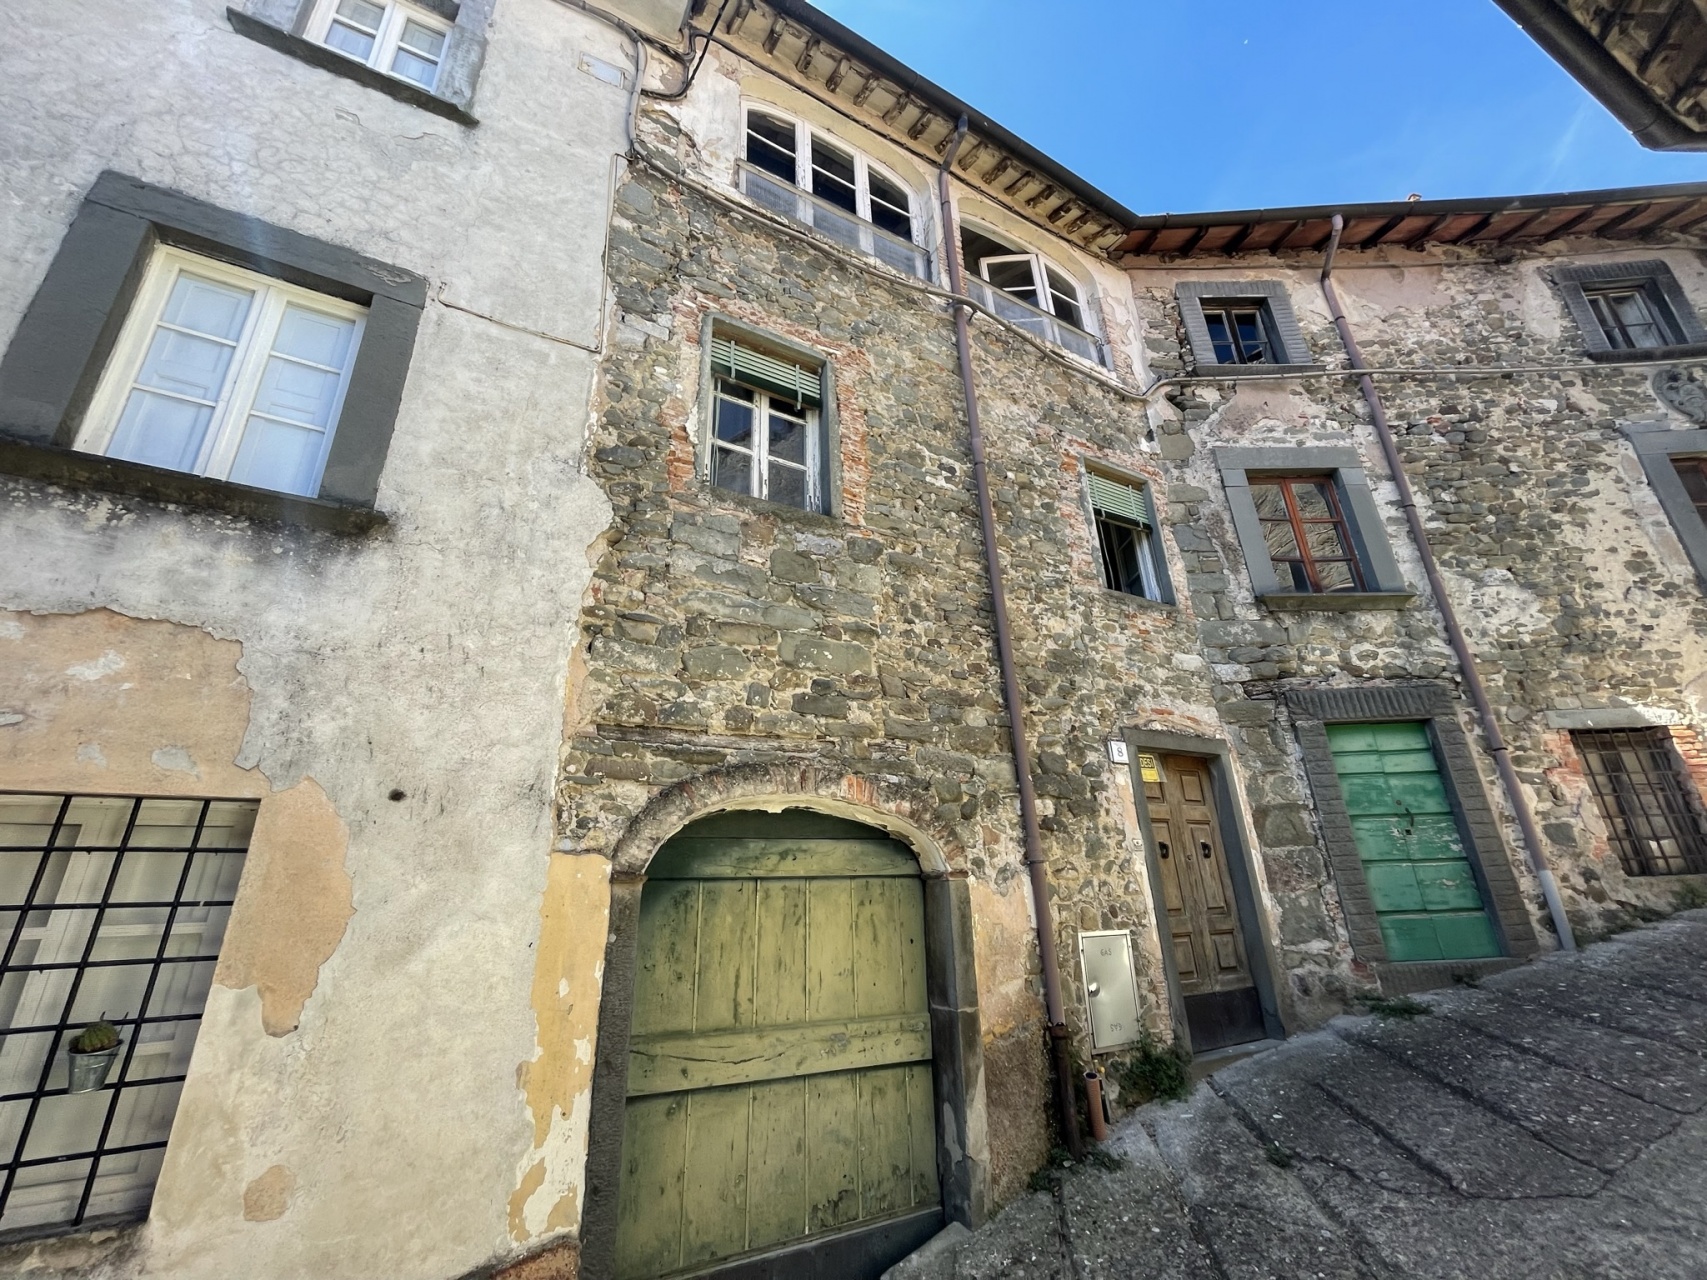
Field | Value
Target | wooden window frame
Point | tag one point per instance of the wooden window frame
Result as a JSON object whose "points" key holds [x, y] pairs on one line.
{"points": [[252, 350], [1300, 523], [1697, 465], [1660, 449], [387, 37], [1228, 310], [1658, 285], [763, 407], [1291, 354], [805, 168]]}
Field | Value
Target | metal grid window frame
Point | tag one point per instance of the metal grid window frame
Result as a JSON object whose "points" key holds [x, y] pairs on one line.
{"points": [[1653, 818], [14, 918]]}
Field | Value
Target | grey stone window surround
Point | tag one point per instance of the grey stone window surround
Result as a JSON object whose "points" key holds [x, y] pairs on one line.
{"points": [[717, 323], [1241, 869], [1655, 447], [49, 373], [1312, 711], [1271, 295], [281, 24], [1368, 535], [1664, 293], [1158, 549]]}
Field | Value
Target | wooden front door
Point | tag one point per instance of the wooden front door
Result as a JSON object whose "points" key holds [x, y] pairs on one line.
{"points": [[780, 1087], [1426, 898], [1221, 1002]]}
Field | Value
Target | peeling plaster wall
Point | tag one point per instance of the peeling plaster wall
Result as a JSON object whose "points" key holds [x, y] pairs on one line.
{"points": [[401, 1025]]}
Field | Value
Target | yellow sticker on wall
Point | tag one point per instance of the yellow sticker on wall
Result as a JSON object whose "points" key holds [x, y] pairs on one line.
{"points": [[1148, 769]]}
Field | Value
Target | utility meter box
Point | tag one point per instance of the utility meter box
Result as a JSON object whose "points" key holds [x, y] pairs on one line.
{"points": [[1111, 988]]}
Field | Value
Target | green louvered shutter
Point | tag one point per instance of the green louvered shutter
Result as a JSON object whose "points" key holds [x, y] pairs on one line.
{"points": [[1123, 501], [768, 373]]}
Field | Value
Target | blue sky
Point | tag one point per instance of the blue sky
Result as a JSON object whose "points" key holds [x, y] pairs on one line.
{"points": [[1177, 105]]}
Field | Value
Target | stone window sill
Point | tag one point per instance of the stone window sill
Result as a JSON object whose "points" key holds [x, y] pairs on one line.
{"points": [[318, 55], [740, 504], [1336, 601], [1252, 370], [74, 470], [1683, 351], [1142, 603]]}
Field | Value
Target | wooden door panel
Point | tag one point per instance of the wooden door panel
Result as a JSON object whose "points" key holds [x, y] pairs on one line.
{"points": [[829, 950], [714, 1183], [665, 959], [723, 978], [1166, 858], [1196, 882], [779, 987], [654, 1159], [780, 1081], [1211, 873], [832, 1119], [777, 1209]]}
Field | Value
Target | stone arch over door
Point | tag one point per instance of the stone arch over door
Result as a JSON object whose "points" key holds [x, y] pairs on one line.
{"points": [[951, 986]]}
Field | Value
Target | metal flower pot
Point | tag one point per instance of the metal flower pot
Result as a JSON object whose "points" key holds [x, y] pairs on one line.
{"points": [[89, 1070]]}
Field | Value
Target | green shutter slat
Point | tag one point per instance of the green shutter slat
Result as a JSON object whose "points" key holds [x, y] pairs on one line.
{"points": [[768, 373], [1128, 502]]}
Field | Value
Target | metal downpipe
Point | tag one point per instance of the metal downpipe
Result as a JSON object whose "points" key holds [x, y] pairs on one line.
{"points": [[1036, 864], [1455, 634]]}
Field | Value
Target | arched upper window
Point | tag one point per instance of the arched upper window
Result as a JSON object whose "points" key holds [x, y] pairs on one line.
{"points": [[827, 182], [1027, 289]]}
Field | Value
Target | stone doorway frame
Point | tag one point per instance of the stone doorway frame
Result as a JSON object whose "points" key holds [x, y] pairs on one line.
{"points": [[1241, 866], [950, 979]]}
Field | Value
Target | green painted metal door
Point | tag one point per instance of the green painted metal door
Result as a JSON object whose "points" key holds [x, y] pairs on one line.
{"points": [[780, 1084], [1419, 874]]}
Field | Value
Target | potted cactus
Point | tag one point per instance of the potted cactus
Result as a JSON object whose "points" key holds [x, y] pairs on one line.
{"points": [[92, 1052]]}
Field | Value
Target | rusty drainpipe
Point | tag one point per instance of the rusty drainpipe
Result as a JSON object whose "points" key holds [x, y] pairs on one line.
{"points": [[1065, 1098], [1460, 646]]}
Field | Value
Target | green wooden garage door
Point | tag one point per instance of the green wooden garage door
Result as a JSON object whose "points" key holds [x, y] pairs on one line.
{"points": [[780, 1086], [1413, 856]]}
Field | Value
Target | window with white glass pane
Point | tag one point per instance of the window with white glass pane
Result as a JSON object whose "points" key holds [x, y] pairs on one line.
{"points": [[396, 38], [1027, 289], [839, 181], [767, 431], [225, 373]]}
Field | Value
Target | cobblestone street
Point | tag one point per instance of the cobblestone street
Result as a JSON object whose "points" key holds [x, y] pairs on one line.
{"points": [[1546, 1124]]}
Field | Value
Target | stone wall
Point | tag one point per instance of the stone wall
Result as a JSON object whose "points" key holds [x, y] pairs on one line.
{"points": [[1571, 585]]}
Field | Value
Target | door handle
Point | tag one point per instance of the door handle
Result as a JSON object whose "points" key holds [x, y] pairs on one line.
{"points": [[1163, 846], [1207, 851]]}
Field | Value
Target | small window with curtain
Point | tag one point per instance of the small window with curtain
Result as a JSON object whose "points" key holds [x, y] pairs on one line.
{"points": [[226, 373], [768, 437], [1126, 539], [1306, 533]]}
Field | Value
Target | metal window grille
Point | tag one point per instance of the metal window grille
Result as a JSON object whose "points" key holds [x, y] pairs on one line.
{"points": [[109, 907], [1646, 800]]}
